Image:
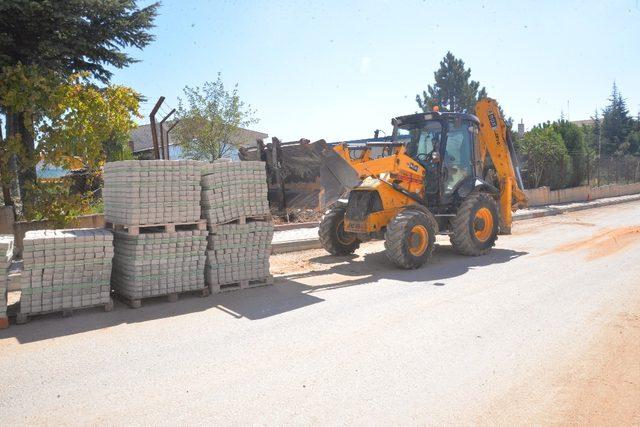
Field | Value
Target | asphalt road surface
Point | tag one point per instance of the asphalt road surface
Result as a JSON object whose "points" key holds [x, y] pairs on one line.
{"points": [[545, 329]]}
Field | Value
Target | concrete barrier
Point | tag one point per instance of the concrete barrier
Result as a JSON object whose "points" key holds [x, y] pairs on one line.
{"points": [[542, 196], [569, 195], [537, 196]]}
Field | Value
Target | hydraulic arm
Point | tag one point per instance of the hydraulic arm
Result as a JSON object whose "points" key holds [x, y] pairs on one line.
{"points": [[495, 139]]}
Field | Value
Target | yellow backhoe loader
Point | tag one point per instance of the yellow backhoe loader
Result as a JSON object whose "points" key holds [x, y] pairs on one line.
{"points": [[431, 178]]}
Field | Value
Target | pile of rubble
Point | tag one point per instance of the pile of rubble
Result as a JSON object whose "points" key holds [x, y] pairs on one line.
{"points": [[143, 192], [65, 270], [158, 263], [235, 205]]}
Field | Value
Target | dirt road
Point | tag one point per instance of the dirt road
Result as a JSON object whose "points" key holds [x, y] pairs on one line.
{"points": [[544, 330]]}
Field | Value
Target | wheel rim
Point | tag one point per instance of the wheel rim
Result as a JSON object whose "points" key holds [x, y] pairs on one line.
{"points": [[483, 224], [343, 237], [418, 240]]}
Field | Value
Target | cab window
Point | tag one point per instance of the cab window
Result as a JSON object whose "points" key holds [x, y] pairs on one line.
{"points": [[421, 139], [458, 158]]}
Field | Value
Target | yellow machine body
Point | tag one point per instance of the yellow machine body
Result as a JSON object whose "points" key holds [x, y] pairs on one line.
{"points": [[399, 180]]}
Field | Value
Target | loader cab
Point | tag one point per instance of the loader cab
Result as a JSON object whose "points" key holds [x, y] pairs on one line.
{"points": [[445, 144]]}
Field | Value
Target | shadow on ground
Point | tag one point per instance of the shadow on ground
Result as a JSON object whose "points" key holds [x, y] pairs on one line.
{"points": [[445, 264], [291, 292]]}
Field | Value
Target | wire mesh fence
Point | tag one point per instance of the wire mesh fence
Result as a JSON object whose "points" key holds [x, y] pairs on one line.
{"points": [[614, 170], [581, 170]]}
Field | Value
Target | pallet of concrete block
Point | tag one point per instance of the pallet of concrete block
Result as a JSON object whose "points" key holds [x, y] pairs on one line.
{"points": [[158, 228], [238, 256], [6, 254], [141, 193], [234, 191], [65, 270], [153, 264]]}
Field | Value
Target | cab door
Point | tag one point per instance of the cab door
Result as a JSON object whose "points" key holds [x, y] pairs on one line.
{"points": [[458, 156]]}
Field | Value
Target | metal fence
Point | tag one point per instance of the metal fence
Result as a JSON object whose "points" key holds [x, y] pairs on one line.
{"points": [[583, 170], [614, 170]]}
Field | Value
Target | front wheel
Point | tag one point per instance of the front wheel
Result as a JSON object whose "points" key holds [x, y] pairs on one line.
{"points": [[410, 238], [474, 229], [333, 237]]}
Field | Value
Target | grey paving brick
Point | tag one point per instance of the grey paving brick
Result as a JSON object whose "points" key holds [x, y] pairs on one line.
{"points": [[146, 192], [62, 264]]}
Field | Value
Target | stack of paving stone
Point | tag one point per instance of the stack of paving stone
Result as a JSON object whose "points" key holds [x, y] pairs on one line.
{"points": [[154, 264], [6, 253], [163, 250], [145, 192], [65, 270], [235, 205], [231, 190], [238, 253]]}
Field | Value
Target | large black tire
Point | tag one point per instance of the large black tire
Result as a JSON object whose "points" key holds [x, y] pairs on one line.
{"points": [[334, 239], [474, 229], [410, 238]]}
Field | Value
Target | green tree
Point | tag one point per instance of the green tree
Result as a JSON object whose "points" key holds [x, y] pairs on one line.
{"points": [[77, 125], [31, 92], [545, 157], [634, 139], [453, 90], [66, 37], [90, 124], [593, 133], [616, 125], [210, 118], [576, 145]]}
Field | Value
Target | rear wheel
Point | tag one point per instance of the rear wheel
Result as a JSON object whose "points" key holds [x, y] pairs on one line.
{"points": [[410, 238], [333, 236], [475, 227]]}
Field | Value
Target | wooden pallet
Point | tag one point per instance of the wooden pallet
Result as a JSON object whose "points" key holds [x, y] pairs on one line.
{"points": [[172, 297], [242, 284], [22, 318], [169, 227], [242, 220]]}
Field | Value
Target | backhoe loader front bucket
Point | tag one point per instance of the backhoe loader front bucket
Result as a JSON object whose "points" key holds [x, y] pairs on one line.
{"points": [[336, 176]]}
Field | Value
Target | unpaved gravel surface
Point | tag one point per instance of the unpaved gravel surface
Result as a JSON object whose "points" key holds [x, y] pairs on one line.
{"points": [[543, 330]]}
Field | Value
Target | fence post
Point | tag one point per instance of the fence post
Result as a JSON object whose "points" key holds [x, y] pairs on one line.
{"points": [[588, 173], [165, 149], [278, 163], [154, 134]]}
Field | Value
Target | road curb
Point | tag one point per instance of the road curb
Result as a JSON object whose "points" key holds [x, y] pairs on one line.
{"points": [[294, 246], [296, 226], [305, 244], [558, 209]]}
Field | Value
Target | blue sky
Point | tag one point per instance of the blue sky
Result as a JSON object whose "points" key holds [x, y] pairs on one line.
{"points": [[338, 70]]}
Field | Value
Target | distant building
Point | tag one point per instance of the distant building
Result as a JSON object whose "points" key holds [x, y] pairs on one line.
{"points": [[521, 129], [141, 142], [586, 122]]}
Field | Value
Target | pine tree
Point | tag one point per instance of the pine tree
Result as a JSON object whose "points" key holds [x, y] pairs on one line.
{"points": [[574, 140], [73, 35], [596, 132], [452, 90], [616, 125], [66, 37]]}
